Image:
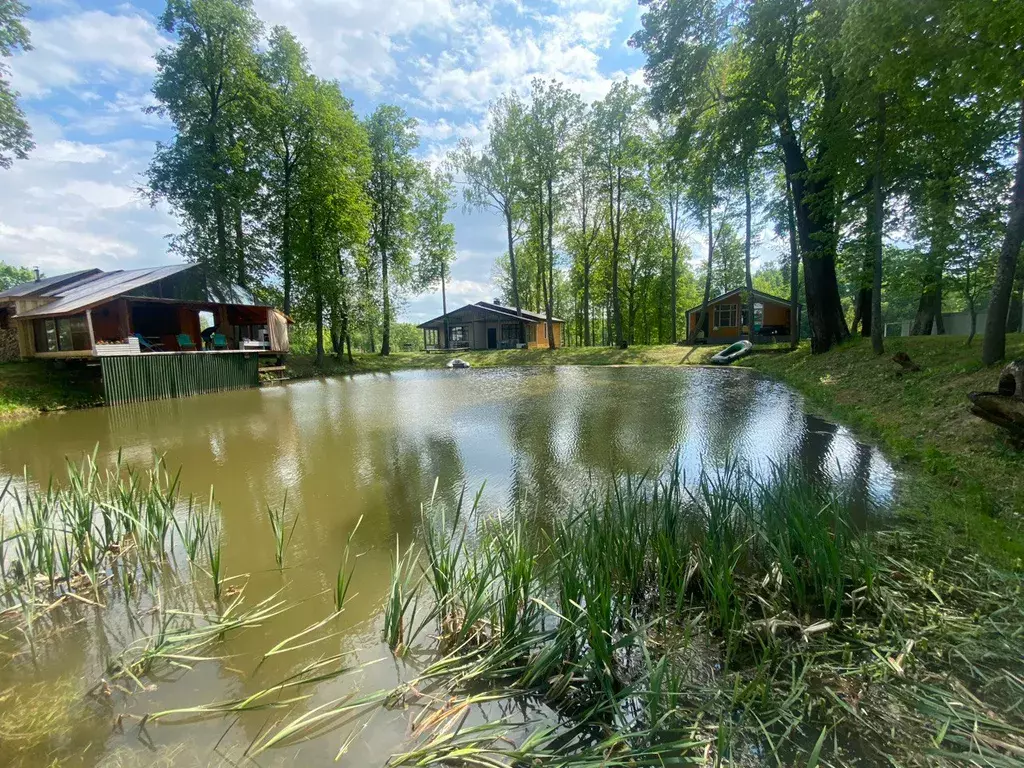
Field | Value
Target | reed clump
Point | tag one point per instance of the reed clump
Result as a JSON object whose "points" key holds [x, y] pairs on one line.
{"points": [[665, 622]]}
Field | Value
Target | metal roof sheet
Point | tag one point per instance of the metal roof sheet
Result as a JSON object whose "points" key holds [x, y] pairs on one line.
{"points": [[497, 309], [102, 287], [43, 286]]}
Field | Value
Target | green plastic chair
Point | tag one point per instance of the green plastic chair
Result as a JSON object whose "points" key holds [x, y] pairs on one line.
{"points": [[220, 341], [185, 342]]}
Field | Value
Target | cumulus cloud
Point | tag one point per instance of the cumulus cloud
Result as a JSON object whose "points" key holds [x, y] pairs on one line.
{"points": [[85, 47]]}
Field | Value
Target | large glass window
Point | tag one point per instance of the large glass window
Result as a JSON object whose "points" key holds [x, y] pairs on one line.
{"points": [[510, 334], [457, 334], [725, 315], [63, 334], [531, 333]]}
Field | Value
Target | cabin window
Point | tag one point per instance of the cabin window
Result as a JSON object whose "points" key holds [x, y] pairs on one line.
{"points": [[531, 333], [457, 334], [509, 335], [431, 336], [758, 316], [63, 334], [725, 315]]}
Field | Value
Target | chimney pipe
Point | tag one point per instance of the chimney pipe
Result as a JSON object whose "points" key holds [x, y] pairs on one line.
{"points": [[38, 276]]}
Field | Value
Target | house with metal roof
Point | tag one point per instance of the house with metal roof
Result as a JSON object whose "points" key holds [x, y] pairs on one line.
{"points": [[158, 310], [726, 320], [489, 325]]}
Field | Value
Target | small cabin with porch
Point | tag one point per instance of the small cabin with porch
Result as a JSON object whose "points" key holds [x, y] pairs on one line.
{"points": [[726, 320], [92, 313], [488, 325], [158, 332]]}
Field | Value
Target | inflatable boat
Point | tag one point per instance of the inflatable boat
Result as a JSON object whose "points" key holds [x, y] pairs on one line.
{"points": [[731, 353]]}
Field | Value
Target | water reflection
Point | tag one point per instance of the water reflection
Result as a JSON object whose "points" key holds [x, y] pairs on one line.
{"points": [[371, 447]]}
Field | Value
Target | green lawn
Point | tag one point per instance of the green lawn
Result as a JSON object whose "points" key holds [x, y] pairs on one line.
{"points": [[35, 386], [302, 366], [962, 475]]}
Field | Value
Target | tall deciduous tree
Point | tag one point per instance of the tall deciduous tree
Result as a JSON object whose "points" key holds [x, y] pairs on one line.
{"points": [[285, 110], [584, 215], [621, 121], [391, 187], [435, 237], [205, 84], [15, 136], [496, 178]]}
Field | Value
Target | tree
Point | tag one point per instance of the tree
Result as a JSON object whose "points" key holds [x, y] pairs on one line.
{"points": [[15, 136], [331, 200], [204, 85], [583, 222], [670, 186], [620, 121], [391, 186], [11, 275], [285, 107], [495, 178], [553, 116], [435, 237]]}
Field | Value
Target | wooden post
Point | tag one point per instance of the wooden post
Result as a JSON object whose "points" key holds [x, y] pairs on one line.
{"points": [[424, 339], [92, 335], [124, 318]]}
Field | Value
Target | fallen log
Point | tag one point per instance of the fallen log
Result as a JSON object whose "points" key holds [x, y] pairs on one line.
{"points": [[1005, 407]]}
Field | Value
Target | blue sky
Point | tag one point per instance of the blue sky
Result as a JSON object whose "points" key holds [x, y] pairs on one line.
{"points": [[86, 85]]}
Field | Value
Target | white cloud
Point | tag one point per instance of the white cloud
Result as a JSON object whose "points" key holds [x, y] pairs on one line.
{"points": [[360, 42], [83, 48], [74, 204]]}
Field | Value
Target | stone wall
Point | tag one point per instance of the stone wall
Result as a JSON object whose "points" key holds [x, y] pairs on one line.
{"points": [[9, 350]]}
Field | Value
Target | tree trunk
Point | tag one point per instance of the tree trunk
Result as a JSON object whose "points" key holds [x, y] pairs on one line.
{"points": [[1013, 316], [794, 271], [588, 339], [929, 306], [515, 273], [444, 305], [318, 288], [877, 231], [673, 210], [344, 321], [286, 240], [239, 247], [615, 209], [994, 344], [385, 334], [707, 284], [817, 246], [549, 307], [746, 255], [974, 320]]}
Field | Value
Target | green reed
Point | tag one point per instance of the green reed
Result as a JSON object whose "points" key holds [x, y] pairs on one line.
{"points": [[343, 580], [277, 516]]}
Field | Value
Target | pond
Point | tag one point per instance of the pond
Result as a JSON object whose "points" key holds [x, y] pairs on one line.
{"points": [[371, 448]]}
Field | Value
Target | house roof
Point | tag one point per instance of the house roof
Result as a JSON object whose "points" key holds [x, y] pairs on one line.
{"points": [[43, 285], [496, 309], [78, 291], [734, 291]]}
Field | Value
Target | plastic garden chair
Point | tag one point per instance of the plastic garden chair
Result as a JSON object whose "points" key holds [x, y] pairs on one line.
{"points": [[220, 341], [185, 342]]}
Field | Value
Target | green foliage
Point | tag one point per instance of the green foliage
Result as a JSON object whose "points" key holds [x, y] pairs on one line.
{"points": [[11, 275], [15, 136]]}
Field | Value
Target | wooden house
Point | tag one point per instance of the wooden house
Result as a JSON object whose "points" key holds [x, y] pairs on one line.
{"points": [[726, 320], [488, 325], [156, 310]]}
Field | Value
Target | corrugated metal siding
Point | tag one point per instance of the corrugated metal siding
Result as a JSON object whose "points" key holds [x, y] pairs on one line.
{"points": [[132, 378]]}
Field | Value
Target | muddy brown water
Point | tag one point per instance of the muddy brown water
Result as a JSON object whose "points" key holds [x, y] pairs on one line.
{"points": [[370, 447]]}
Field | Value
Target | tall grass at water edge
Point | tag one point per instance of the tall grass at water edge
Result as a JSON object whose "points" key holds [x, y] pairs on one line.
{"points": [[732, 620], [735, 620]]}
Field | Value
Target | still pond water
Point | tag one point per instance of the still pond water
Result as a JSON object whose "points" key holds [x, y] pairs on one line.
{"points": [[371, 447]]}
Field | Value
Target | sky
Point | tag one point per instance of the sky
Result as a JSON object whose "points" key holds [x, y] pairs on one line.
{"points": [[85, 88]]}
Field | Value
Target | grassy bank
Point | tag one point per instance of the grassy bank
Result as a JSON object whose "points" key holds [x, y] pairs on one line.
{"points": [[32, 387], [963, 476], [304, 366]]}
